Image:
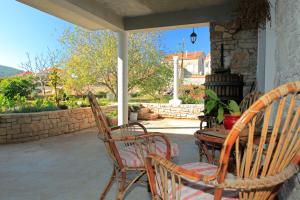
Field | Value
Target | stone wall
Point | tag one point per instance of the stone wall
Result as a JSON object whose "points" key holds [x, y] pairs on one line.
{"points": [[287, 41], [22, 127], [287, 63], [183, 111], [240, 51]]}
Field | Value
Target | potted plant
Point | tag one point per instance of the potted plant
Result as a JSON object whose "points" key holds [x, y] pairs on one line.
{"points": [[112, 118], [133, 115], [228, 113]]}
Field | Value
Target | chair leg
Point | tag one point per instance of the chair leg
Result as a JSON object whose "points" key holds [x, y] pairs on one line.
{"points": [[200, 151], [121, 187], [218, 194], [108, 185]]}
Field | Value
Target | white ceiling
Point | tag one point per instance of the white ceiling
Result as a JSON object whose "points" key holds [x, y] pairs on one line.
{"points": [[133, 8], [135, 15]]}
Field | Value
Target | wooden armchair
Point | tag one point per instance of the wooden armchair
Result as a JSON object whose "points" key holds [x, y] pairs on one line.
{"points": [[127, 146], [260, 169]]}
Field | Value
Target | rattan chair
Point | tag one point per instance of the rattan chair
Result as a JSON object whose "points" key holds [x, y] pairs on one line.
{"points": [[127, 146], [260, 169]]}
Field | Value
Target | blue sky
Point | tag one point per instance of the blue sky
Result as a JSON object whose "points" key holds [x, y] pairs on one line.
{"points": [[25, 29]]}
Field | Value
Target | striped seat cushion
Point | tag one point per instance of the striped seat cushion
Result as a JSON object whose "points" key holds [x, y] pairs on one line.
{"points": [[132, 156], [193, 190]]}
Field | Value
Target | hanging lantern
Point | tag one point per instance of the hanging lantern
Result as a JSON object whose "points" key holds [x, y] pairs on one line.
{"points": [[193, 37]]}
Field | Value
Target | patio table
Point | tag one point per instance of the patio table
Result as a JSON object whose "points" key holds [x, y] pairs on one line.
{"points": [[210, 140]]}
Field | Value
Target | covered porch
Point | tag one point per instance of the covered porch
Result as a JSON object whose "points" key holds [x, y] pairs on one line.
{"points": [[269, 57], [259, 55], [125, 17]]}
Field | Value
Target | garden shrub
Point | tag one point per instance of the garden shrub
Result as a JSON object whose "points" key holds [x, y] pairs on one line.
{"points": [[112, 114], [11, 87], [103, 102], [135, 94], [101, 94], [188, 99]]}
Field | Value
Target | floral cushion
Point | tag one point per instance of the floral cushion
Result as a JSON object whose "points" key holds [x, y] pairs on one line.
{"points": [[133, 156], [196, 190]]}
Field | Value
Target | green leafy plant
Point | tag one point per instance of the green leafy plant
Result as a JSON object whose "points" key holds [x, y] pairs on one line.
{"points": [[112, 115], [103, 102], [11, 87], [188, 99], [134, 108], [213, 104]]}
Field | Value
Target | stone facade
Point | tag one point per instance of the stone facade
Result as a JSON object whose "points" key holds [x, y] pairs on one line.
{"points": [[183, 111], [287, 41], [287, 63], [22, 127], [240, 51]]}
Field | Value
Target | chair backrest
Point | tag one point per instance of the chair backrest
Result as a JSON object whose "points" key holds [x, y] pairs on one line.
{"points": [[262, 163], [270, 147], [249, 99], [100, 118], [104, 130]]}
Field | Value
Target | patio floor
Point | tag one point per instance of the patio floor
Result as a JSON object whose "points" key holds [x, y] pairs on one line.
{"points": [[75, 166]]}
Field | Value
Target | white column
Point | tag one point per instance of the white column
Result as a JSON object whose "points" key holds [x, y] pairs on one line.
{"points": [[261, 60], [175, 101], [270, 62], [122, 78]]}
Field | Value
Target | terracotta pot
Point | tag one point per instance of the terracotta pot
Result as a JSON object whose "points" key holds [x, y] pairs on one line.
{"points": [[229, 120]]}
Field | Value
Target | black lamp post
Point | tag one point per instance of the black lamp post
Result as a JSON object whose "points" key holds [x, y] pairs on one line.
{"points": [[193, 37]]}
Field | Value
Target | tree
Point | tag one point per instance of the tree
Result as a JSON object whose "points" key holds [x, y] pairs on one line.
{"points": [[54, 82], [91, 59], [39, 66]]}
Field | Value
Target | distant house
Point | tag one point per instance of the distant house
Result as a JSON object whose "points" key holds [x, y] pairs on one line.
{"points": [[41, 80], [207, 68], [24, 74], [195, 66]]}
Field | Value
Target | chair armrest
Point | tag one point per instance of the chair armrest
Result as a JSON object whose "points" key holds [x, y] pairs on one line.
{"points": [[262, 182], [129, 125], [145, 136], [178, 170], [210, 120]]}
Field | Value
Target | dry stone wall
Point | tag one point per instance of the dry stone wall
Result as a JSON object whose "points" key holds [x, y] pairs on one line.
{"points": [[240, 50], [183, 111], [22, 127]]}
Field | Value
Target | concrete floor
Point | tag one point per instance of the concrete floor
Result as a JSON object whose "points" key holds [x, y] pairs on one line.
{"points": [[75, 166]]}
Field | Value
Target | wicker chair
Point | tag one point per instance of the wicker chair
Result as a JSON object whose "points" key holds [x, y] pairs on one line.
{"points": [[127, 146], [260, 169]]}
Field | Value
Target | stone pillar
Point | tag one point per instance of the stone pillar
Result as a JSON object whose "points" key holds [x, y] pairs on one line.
{"points": [[175, 101], [122, 78]]}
